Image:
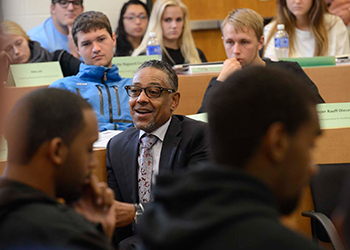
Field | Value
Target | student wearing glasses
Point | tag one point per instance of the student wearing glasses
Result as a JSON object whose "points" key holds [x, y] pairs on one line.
{"points": [[170, 21], [177, 142], [132, 25], [55, 32]]}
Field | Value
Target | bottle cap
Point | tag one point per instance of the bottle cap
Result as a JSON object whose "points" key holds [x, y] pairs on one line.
{"points": [[280, 27], [152, 34]]}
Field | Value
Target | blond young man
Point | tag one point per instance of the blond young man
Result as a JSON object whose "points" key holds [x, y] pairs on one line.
{"points": [[242, 36]]}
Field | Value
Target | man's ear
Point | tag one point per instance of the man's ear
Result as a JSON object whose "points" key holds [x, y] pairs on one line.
{"points": [[276, 142], [114, 39], [261, 42], [52, 9], [77, 49], [76, 45], [57, 151], [175, 99]]}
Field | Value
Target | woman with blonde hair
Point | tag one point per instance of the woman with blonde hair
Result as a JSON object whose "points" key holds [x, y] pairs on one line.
{"points": [[312, 30], [170, 22], [20, 49]]}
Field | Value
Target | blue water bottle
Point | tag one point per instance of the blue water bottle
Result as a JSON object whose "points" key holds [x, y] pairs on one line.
{"points": [[281, 42], [153, 46]]}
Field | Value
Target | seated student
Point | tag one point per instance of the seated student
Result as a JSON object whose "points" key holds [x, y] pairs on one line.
{"points": [[98, 80], [242, 35], [50, 133], [175, 141], [169, 20], [262, 130], [15, 42], [55, 32], [312, 30], [132, 25]]}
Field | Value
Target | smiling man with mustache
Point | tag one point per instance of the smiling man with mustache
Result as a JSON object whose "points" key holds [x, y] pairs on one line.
{"points": [[98, 81], [179, 141]]}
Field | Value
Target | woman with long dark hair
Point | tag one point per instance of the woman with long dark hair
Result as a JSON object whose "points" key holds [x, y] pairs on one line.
{"points": [[132, 25]]}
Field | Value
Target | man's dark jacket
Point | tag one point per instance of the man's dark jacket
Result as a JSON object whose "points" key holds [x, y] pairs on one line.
{"points": [[30, 219], [184, 144]]}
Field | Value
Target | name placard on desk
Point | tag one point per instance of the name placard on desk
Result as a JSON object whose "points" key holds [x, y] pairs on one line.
{"points": [[334, 115], [128, 64], [34, 74]]}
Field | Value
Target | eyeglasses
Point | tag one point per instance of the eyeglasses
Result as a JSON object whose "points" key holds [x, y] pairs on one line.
{"points": [[64, 3], [151, 92], [133, 18]]}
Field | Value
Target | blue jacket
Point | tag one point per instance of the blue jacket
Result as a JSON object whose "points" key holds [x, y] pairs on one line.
{"points": [[104, 89]]}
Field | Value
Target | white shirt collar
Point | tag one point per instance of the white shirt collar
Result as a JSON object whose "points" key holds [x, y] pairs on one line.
{"points": [[159, 132]]}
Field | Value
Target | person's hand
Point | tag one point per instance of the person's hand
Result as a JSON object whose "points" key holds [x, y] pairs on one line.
{"points": [[230, 65], [341, 8], [97, 205], [71, 46], [125, 213], [344, 14]]}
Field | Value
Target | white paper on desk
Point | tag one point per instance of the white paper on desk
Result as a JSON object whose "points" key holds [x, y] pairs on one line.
{"points": [[203, 117], [3, 148], [104, 137]]}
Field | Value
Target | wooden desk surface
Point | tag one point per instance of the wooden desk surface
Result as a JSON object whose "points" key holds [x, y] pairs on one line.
{"points": [[192, 89], [13, 94], [332, 83]]}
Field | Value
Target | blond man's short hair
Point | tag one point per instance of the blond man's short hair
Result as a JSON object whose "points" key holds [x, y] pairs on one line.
{"points": [[243, 19]]}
